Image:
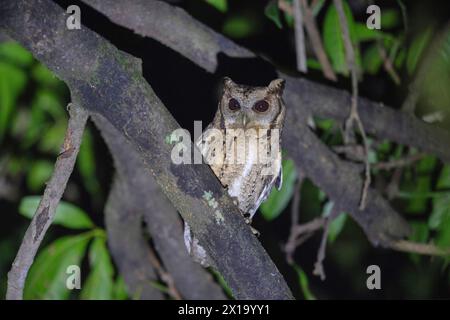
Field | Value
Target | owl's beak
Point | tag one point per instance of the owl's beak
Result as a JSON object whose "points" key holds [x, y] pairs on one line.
{"points": [[244, 120]]}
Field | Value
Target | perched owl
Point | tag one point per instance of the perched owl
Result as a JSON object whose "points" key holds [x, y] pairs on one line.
{"points": [[243, 147]]}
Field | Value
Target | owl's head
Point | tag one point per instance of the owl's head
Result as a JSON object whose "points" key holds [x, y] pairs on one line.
{"points": [[252, 107]]}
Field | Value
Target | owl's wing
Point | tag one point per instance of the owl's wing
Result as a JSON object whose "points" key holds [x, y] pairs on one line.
{"points": [[279, 179], [206, 147]]}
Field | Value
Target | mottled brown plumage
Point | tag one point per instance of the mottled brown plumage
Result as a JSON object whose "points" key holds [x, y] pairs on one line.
{"points": [[242, 146]]}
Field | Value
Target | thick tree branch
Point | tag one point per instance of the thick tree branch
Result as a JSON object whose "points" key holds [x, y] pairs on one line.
{"points": [[170, 25], [127, 243], [110, 82], [163, 222], [46, 210]]}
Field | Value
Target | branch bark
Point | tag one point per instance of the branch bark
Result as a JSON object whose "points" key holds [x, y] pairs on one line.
{"points": [[127, 244], [146, 201], [46, 210], [110, 83]]}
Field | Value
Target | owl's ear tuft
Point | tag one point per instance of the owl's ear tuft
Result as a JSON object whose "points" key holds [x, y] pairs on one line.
{"points": [[276, 86], [228, 83]]}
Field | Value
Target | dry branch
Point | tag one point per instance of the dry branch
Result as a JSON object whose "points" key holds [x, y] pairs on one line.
{"points": [[46, 210]]}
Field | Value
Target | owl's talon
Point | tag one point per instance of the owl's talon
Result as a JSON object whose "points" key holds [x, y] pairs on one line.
{"points": [[255, 232]]}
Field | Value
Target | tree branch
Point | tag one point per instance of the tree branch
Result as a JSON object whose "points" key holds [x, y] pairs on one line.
{"points": [[127, 243], [169, 25], [46, 210], [163, 222], [110, 83]]}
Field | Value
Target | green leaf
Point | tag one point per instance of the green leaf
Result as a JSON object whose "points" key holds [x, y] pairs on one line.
{"points": [[12, 52], [241, 26], [400, 58], [223, 283], [333, 41], [43, 76], [53, 137], [99, 284], [371, 60], [304, 283], [390, 18], [420, 232], [67, 214], [421, 185], [440, 212], [363, 33], [49, 102], [273, 13], [416, 49], [336, 226], [47, 277], [12, 82], [38, 174], [277, 201], [120, 291], [313, 64], [442, 238], [444, 178], [221, 5]]}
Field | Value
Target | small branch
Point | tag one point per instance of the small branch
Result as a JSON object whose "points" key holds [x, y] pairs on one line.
{"points": [[420, 248], [126, 241], [399, 163], [354, 116], [316, 42], [387, 63], [300, 233], [321, 254], [46, 210], [286, 7], [299, 38], [164, 275]]}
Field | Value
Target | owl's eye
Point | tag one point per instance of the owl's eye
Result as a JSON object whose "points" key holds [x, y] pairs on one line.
{"points": [[261, 106], [233, 104]]}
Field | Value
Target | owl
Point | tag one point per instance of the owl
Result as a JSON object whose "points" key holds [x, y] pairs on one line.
{"points": [[242, 146]]}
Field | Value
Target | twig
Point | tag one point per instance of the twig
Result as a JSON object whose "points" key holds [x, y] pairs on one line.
{"points": [[316, 41], [46, 210], [321, 254], [165, 276], [300, 233], [299, 37], [398, 163], [387, 63], [354, 116], [286, 7], [420, 248]]}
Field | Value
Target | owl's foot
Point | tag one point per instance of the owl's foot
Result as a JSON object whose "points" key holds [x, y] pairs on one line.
{"points": [[255, 232], [248, 220]]}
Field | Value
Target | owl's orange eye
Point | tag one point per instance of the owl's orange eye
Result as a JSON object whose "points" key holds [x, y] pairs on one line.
{"points": [[233, 104], [261, 106]]}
